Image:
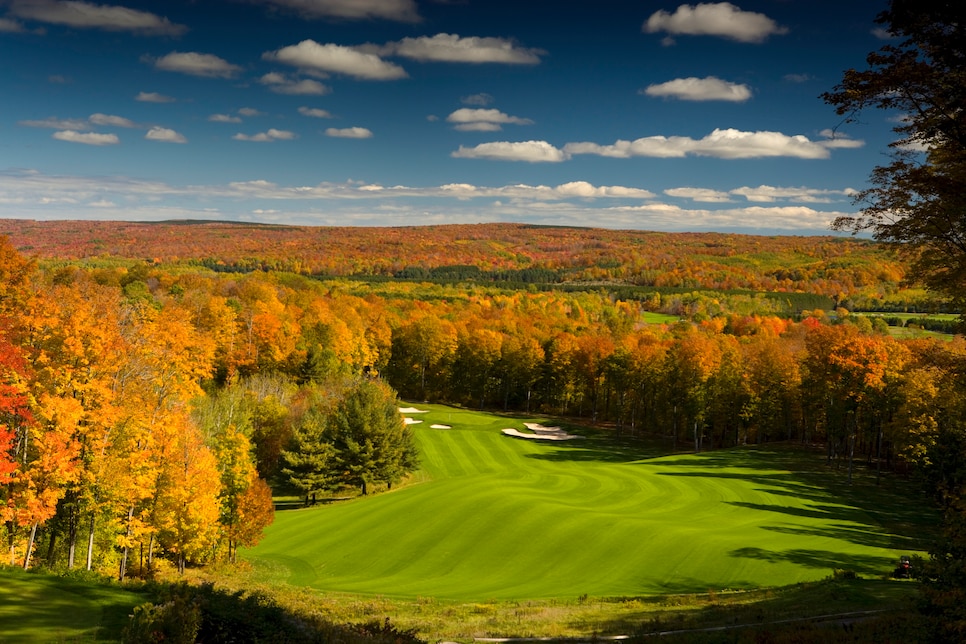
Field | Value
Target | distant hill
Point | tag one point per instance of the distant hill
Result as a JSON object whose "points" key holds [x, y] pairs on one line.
{"points": [[831, 266]]}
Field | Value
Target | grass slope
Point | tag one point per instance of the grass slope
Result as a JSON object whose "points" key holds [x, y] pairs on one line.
{"points": [[503, 518], [37, 607]]}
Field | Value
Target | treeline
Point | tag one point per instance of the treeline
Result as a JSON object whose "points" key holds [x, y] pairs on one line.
{"points": [[138, 429], [845, 270]]}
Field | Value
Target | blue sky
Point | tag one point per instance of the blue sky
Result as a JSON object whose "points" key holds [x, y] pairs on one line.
{"points": [[644, 114]]}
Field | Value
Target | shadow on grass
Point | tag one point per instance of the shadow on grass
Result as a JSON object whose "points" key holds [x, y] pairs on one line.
{"points": [[599, 449], [756, 607], [820, 559]]}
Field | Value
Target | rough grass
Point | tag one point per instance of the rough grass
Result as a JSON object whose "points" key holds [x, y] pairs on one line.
{"points": [[500, 519]]}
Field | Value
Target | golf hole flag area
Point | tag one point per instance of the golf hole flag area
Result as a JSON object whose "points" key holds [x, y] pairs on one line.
{"points": [[495, 517]]}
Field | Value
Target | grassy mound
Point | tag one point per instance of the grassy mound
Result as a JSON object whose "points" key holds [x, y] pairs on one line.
{"points": [[501, 518]]}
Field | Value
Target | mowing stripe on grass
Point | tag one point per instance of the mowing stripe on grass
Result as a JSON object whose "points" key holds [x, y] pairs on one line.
{"points": [[503, 518]]}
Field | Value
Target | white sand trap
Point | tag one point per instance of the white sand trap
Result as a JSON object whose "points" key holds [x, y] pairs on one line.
{"points": [[440, 427], [411, 421], [412, 410], [556, 434], [540, 429]]}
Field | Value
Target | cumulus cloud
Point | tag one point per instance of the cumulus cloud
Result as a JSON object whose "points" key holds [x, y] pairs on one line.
{"points": [[715, 19], [709, 88], [797, 78], [838, 140], [81, 124], [453, 48], [250, 111], [337, 59], [530, 151], [195, 64], [315, 112], [398, 10], [224, 118], [580, 203], [723, 144], [704, 195], [349, 133], [770, 194], [483, 120], [266, 137], [110, 120], [153, 97], [282, 84], [87, 138], [10, 26], [482, 99], [84, 15], [164, 135], [57, 124]]}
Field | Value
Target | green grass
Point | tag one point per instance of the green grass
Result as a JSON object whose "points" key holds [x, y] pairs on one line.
{"points": [[659, 318], [37, 607], [496, 518]]}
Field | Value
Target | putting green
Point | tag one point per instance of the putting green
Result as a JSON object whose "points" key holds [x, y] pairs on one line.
{"points": [[504, 518]]}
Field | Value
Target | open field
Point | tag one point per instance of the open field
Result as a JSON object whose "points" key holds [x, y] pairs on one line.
{"points": [[498, 518]]}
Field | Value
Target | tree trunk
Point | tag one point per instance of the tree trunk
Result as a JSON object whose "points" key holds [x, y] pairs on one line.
{"points": [[72, 540], [90, 543], [30, 546], [122, 570]]}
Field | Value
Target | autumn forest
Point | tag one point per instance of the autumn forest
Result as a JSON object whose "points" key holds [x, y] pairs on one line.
{"points": [[158, 383]]}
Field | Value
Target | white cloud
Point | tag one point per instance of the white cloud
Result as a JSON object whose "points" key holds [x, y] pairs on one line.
{"points": [[337, 59], [883, 34], [264, 137], [58, 124], [482, 99], [530, 151], [837, 140], [315, 112], [349, 133], [453, 48], [153, 97], [250, 111], [112, 121], [797, 78], [700, 89], [282, 84], [224, 118], [770, 194], [705, 195], [478, 127], [74, 13], [195, 64], [81, 124], [399, 10], [483, 120], [9, 26], [87, 138], [723, 144], [715, 19], [34, 195], [164, 135]]}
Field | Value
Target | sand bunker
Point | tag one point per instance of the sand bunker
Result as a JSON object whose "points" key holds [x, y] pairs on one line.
{"points": [[541, 433], [440, 427], [412, 410], [411, 421]]}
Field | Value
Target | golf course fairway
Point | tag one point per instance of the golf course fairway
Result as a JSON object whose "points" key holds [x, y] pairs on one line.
{"points": [[496, 517]]}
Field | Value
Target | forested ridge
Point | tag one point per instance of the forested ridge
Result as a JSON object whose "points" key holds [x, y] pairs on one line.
{"points": [[838, 268]]}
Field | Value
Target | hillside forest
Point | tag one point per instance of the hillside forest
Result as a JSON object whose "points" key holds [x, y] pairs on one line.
{"points": [[150, 403]]}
